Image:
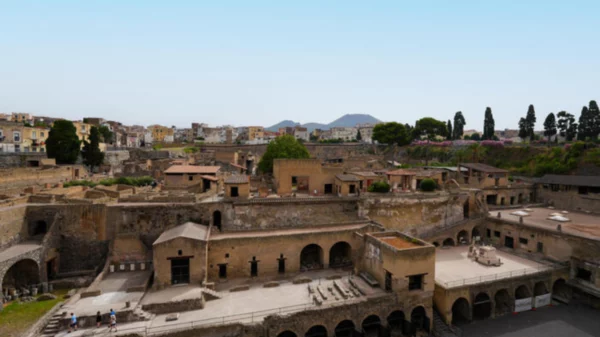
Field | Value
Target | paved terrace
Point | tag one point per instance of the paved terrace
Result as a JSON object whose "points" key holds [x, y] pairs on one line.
{"points": [[581, 224], [292, 231], [453, 268], [248, 306]]}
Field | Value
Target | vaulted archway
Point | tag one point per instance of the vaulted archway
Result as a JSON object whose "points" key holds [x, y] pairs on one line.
{"points": [[462, 237], [345, 328], [482, 306], [396, 321], [311, 257], [23, 273], [371, 326], [287, 333], [316, 331], [522, 292], [540, 289], [504, 303], [340, 255], [448, 242], [461, 311]]}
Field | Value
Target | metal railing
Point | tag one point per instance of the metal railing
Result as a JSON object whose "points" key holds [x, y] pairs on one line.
{"points": [[494, 277]]}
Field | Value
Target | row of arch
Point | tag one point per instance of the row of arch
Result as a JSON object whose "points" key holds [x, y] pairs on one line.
{"points": [[461, 238], [340, 255], [371, 325], [21, 274], [503, 303]]}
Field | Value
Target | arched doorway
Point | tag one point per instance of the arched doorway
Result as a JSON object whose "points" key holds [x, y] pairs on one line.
{"points": [[287, 333], [462, 237], [340, 255], [316, 331], [345, 328], [371, 326], [22, 274], [448, 242], [522, 292], [503, 301], [396, 321], [419, 319], [461, 311], [475, 233], [435, 243], [311, 257], [38, 228], [540, 289], [520, 198], [217, 219], [561, 291], [482, 306]]}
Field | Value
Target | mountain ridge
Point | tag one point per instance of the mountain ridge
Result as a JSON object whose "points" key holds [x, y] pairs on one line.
{"points": [[347, 120]]}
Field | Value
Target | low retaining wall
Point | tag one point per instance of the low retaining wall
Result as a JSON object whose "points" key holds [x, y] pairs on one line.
{"points": [[169, 307]]}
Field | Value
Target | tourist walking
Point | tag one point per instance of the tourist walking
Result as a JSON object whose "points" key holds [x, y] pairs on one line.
{"points": [[98, 319], [73, 324], [113, 321]]}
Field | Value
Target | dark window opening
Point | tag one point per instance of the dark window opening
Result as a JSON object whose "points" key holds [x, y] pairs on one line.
{"points": [[217, 219], [491, 199], [223, 270], [180, 271], [388, 281], [540, 247], [523, 241], [415, 282], [497, 234], [509, 242], [253, 267], [328, 189], [584, 274], [281, 265], [234, 192], [488, 233], [180, 252], [352, 189], [190, 178]]}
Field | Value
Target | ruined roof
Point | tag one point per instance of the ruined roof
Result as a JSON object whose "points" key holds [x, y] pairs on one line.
{"points": [[447, 168], [401, 172], [193, 169], [188, 230], [346, 177], [483, 168], [211, 178], [591, 181], [236, 179], [238, 166]]}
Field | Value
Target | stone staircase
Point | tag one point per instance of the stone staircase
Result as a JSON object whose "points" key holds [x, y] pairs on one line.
{"points": [[441, 329], [53, 327], [210, 294]]}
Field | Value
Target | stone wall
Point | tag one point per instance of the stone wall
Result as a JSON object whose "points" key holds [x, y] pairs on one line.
{"points": [[415, 213], [570, 200], [12, 225], [15, 160], [18, 178]]}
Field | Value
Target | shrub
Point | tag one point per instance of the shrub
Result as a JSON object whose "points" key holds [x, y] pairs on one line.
{"points": [[131, 181], [190, 149], [379, 187], [157, 147], [428, 185]]}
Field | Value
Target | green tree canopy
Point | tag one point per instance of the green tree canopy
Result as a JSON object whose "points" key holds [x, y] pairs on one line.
{"points": [[107, 135], [589, 122], [459, 124], [449, 127], [523, 133], [530, 122], [488, 124], [285, 146], [391, 133], [62, 143], [358, 136], [430, 128], [92, 156], [567, 127], [550, 126], [475, 136]]}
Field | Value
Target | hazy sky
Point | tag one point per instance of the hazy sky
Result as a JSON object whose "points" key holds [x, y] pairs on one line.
{"points": [[254, 62]]}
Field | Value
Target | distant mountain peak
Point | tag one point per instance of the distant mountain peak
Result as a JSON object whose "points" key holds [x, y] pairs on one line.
{"points": [[347, 120]]}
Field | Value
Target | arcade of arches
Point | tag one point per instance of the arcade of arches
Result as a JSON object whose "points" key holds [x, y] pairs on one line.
{"points": [[22, 274]]}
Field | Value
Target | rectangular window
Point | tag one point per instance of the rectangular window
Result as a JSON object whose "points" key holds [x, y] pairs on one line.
{"points": [[488, 233], [497, 234], [540, 247], [16, 136], [42, 134], [584, 274], [33, 135], [415, 282], [234, 192], [523, 241], [190, 178]]}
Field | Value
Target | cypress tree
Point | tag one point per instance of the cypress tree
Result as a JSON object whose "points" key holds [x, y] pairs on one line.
{"points": [[449, 135], [488, 124], [550, 126], [530, 122], [92, 156], [459, 124], [62, 143]]}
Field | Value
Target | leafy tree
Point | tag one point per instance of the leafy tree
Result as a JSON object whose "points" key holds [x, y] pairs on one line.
{"points": [[62, 143], [488, 124], [449, 135], [92, 156], [589, 122], [550, 126], [467, 137], [27, 124], [379, 187], [430, 128], [358, 136], [567, 127], [459, 124], [107, 135], [530, 122], [391, 133], [428, 185], [285, 146], [475, 136], [523, 133]]}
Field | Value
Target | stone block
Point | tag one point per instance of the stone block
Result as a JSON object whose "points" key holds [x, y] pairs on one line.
{"points": [[172, 317], [239, 288]]}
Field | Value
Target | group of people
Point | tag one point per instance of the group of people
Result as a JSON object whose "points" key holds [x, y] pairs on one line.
{"points": [[112, 325]]}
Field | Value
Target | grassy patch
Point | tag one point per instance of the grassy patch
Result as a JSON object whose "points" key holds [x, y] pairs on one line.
{"points": [[16, 317]]}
